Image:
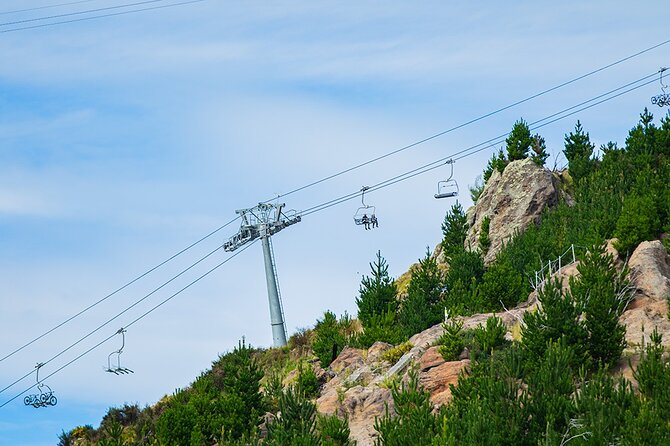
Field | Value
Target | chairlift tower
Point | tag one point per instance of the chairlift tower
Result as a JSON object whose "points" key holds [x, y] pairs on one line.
{"points": [[262, 222]]}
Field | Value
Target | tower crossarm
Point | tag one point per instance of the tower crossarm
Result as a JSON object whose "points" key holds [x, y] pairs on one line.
{"points": [[266, 219]]}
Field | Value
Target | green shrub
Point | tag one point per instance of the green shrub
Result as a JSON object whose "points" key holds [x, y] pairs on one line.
{"points": [[297, 423], [394, 354], [451, 342], [476, 189], [539, 148], [381, 328]]}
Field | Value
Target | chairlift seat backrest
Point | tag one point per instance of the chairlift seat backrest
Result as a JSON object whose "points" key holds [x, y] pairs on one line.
{"points": [[447, 189], [367, 211]]}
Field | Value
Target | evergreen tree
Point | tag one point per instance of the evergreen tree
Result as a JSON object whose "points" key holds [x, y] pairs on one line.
{"points": [[414, 422], [484, 240], [454, 231], [578, 151], [603, 294], [296, 425], [497, 162], [519, 141], [558, 317], [328, 339], [377, 293], [421, 309], [639, 221], [539, 148]]}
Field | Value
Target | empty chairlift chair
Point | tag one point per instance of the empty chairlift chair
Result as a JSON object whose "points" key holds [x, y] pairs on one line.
{"points": [[447, 188]]}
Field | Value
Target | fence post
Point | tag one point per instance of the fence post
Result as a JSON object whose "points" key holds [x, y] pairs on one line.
{"points": [[573, 253]]}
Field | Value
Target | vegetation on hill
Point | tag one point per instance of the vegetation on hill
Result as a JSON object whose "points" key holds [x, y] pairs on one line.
{"points": [[551, 387]]}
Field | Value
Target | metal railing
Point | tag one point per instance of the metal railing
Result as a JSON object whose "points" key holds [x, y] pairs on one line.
{"points": [[553, 266]]}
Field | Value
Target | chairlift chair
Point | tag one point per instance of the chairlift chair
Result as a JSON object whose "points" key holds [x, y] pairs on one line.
{"points": [[447, 188], [117, 369], [365, 210], [662, 99], [45, 397]]}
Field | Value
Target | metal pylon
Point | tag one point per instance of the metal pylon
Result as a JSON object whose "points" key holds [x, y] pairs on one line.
{"points": [[262, 222]]}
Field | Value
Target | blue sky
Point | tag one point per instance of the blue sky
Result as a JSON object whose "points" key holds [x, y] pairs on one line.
{"points": [[124, 139]]}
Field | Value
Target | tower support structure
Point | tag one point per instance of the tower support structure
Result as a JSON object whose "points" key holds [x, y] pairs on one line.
{"points": [[262, 222]]}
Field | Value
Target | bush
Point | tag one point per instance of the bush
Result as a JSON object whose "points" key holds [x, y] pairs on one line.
{"points": [[394, 354], [380, 328], [476, 189]]}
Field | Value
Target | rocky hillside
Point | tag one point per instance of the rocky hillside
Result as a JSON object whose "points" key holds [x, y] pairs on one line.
{"points": [[540, 318]]}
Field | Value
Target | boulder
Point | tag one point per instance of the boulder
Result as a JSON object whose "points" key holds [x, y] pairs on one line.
{"points": [[349, 359], [437, 380], [512, 200], [650, 270], [376, 351], [650, 277], [431, 358], [361, 405]]}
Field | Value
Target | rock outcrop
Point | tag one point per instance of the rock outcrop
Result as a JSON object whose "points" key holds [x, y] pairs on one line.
{"points": [[650, 276], [512, 200]]}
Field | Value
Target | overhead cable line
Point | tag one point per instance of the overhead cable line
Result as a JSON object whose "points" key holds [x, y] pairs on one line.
{"points": [[118, 290], [36, 8], [155, 290], [472, 121], [134, 321], [87, 11], [570, 111], [481, 146], [112, 14]]}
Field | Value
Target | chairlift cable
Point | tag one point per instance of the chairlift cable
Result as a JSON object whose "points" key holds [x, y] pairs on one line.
{"points": [[111, 14], [86, 11], [471, 150], [134, 321], [155, 290], [118, 290], [383, 184], [472, 121], [17, 11]]}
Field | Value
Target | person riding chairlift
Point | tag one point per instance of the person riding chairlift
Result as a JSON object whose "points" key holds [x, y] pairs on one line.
{"points": [[373, 221], [366, 221]]}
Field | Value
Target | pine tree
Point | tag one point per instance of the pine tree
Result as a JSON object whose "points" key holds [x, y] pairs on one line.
{"points": [[539, 148], [497, 162], [414, 422], [377, 293], [328, 339], [557, 317], [421, 308], [578, 151], [519, 141], [603, 295], [297, 423], [454, 231]]}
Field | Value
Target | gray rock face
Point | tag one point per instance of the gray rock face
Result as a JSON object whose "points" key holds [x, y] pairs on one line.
{"points": [[512, 200], [650, 270]]}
